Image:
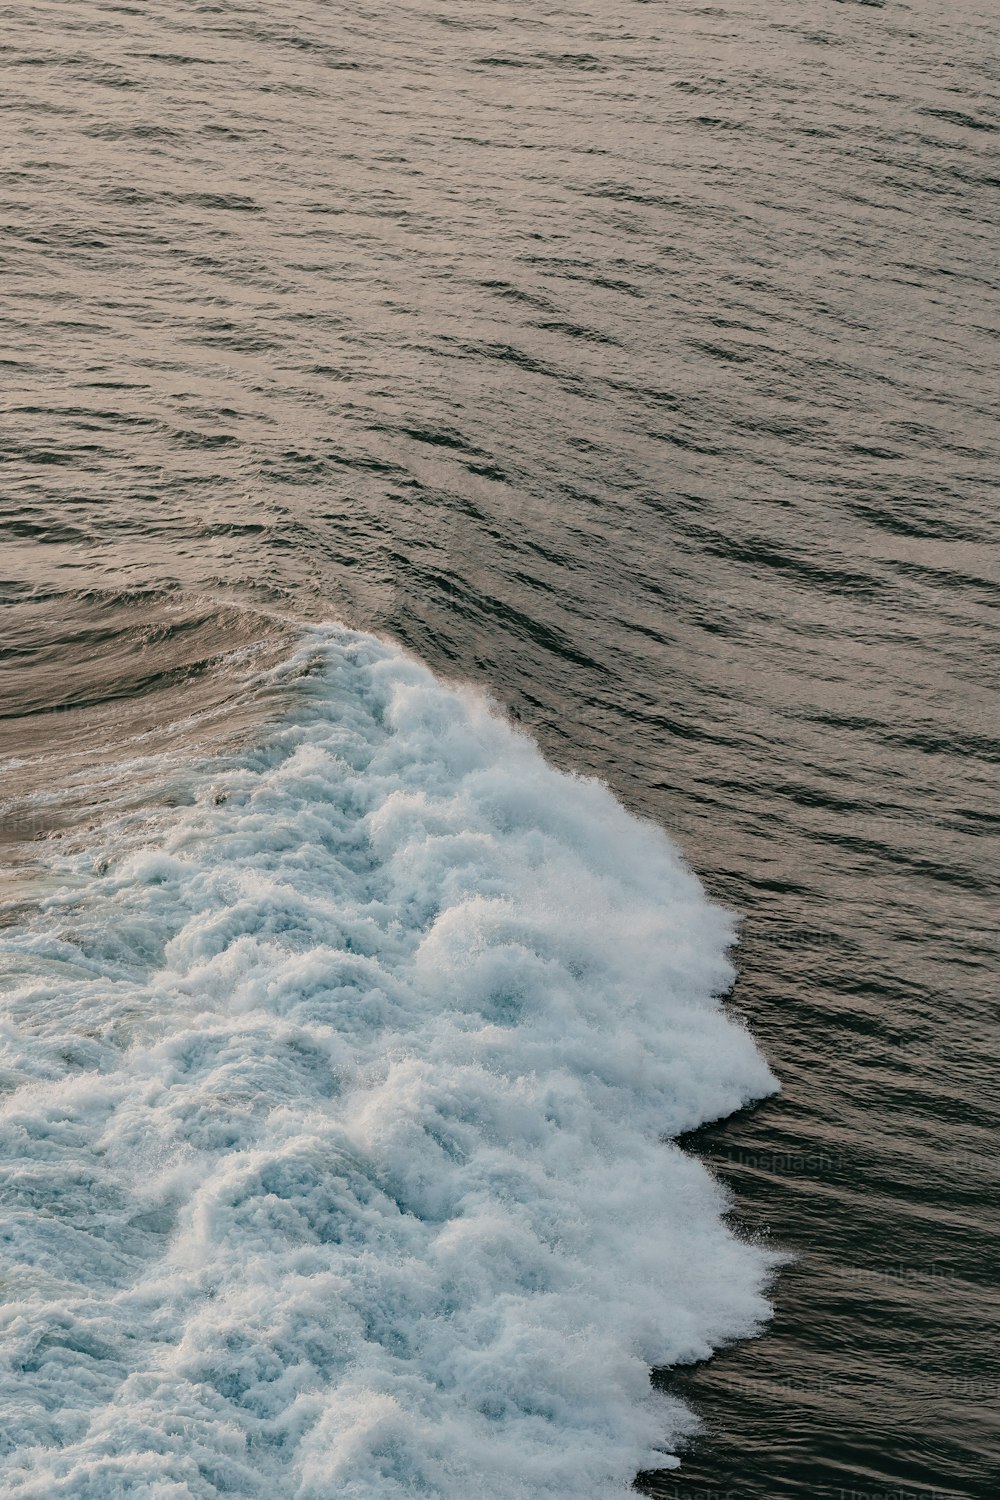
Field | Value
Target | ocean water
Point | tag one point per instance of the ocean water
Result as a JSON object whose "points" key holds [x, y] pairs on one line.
{"points": [[498, 718]]}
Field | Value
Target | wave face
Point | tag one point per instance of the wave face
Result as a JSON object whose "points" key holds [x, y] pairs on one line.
{"points": [[333, 1146]]}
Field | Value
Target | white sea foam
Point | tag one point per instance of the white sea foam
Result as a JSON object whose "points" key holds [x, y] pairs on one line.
{"points": [[332, 1151]]}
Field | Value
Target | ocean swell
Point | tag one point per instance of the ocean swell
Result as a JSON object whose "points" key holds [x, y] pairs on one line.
{"points": [[333, 1149]]}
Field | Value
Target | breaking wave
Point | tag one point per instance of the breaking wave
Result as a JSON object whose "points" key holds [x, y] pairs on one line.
{"points": [[334, 1143]]}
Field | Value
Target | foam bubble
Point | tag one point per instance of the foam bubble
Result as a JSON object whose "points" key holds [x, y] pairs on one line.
{"points": [[333, 1148]]}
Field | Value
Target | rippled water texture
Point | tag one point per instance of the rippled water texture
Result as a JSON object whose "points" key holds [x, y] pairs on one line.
{"points": [[636, 362]]}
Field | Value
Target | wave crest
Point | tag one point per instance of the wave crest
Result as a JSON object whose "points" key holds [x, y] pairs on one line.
{"points": [[334, 1151]]}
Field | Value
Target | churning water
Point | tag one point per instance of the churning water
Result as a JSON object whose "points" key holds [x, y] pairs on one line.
{"points": [[635, 364]]}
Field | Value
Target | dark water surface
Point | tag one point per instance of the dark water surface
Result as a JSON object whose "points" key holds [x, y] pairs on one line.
{"points": [[638, 362]]}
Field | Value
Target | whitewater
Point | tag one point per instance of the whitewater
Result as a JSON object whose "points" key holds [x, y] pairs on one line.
{"points": [[336, 1142]]}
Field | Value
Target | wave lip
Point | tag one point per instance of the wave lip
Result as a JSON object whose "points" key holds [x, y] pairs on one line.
{"points": [[334, 1153]]}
